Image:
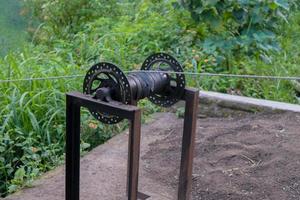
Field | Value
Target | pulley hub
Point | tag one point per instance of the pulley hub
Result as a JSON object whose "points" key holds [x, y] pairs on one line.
{"points": [[160, 80]]}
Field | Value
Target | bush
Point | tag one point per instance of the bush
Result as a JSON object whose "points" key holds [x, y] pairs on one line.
{"points": [[228, 29], [64, 17]]}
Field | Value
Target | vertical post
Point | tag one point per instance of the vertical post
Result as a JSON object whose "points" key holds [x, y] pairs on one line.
{"points": [[72, 149], [133, 156], [188, 143]]}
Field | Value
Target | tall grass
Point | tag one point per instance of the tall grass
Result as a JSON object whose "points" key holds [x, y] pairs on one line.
{"points": [[32, 116]]}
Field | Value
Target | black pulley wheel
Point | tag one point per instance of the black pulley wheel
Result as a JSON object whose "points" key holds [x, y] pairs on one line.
{"points": [[107, 76], [167, 65]]}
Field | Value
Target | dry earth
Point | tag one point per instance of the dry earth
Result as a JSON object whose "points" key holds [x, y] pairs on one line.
{"points": [[241, 157], [249, 157]]}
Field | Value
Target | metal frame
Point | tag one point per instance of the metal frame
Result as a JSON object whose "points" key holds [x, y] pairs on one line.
{"points": [[76, 100]]}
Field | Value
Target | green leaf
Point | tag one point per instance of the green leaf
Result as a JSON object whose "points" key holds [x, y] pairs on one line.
{"points": [[34, 121], [283, 4], [85, 146], [12, 188], [284, 17], [273, 6], [2, 149], [20, 174], [211, 2]]}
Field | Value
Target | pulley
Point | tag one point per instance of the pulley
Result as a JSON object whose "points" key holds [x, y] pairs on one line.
{"points": [[156, 80]]}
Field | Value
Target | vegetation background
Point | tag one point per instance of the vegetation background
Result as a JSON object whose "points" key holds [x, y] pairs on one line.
{"points": [[12, 26], [66, 37]]}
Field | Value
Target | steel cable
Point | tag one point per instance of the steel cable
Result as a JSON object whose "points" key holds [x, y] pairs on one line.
{"points": [[170, 72]]}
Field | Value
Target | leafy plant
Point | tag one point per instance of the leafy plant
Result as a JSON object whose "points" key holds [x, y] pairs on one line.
{"points": [[64, 17], [228, 29]]}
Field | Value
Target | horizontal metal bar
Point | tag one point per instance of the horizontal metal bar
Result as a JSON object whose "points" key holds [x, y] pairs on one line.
{"points": [[121, 110]]}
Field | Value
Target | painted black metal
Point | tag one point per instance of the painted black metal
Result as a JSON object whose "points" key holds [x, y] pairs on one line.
{"points": [[144, 84], [109, 101], [72, 148], [105, 81], [166, 62], [107, 75]]}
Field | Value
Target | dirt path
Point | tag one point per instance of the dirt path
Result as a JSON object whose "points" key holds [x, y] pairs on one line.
{"points": [[242, 157]]}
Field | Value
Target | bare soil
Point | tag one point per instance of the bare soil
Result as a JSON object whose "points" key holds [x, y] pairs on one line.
{"points": [[254, 156], [238, 157]]}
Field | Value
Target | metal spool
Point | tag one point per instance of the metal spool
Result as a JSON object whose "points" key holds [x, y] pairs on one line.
{"points": [[106, 82]]}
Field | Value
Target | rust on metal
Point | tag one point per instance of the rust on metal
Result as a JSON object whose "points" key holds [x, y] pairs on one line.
{"points": [[111, 97]]}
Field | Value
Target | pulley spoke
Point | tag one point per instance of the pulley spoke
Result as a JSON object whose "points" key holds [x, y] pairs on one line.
{"points": [[111, 78], [100, 79]]}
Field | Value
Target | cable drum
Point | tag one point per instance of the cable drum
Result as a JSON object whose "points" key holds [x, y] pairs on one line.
{"points": [[106, 82], [147, 84]]}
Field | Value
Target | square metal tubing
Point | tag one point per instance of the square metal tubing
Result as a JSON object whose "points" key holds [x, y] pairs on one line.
{"points": [[191, 98], [76, 100]]}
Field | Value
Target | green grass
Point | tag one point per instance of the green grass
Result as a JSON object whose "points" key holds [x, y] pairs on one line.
{"points": [[12, 26], [32, 117]]}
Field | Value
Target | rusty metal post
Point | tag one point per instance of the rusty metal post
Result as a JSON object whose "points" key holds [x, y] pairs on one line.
{"points": [[191, 98], [134, 139], [133, 114], [76, 100], [72, 149], [134, 156]]}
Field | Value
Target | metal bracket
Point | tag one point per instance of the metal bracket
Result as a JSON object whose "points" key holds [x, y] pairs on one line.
{"points": [[76, 100]]}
